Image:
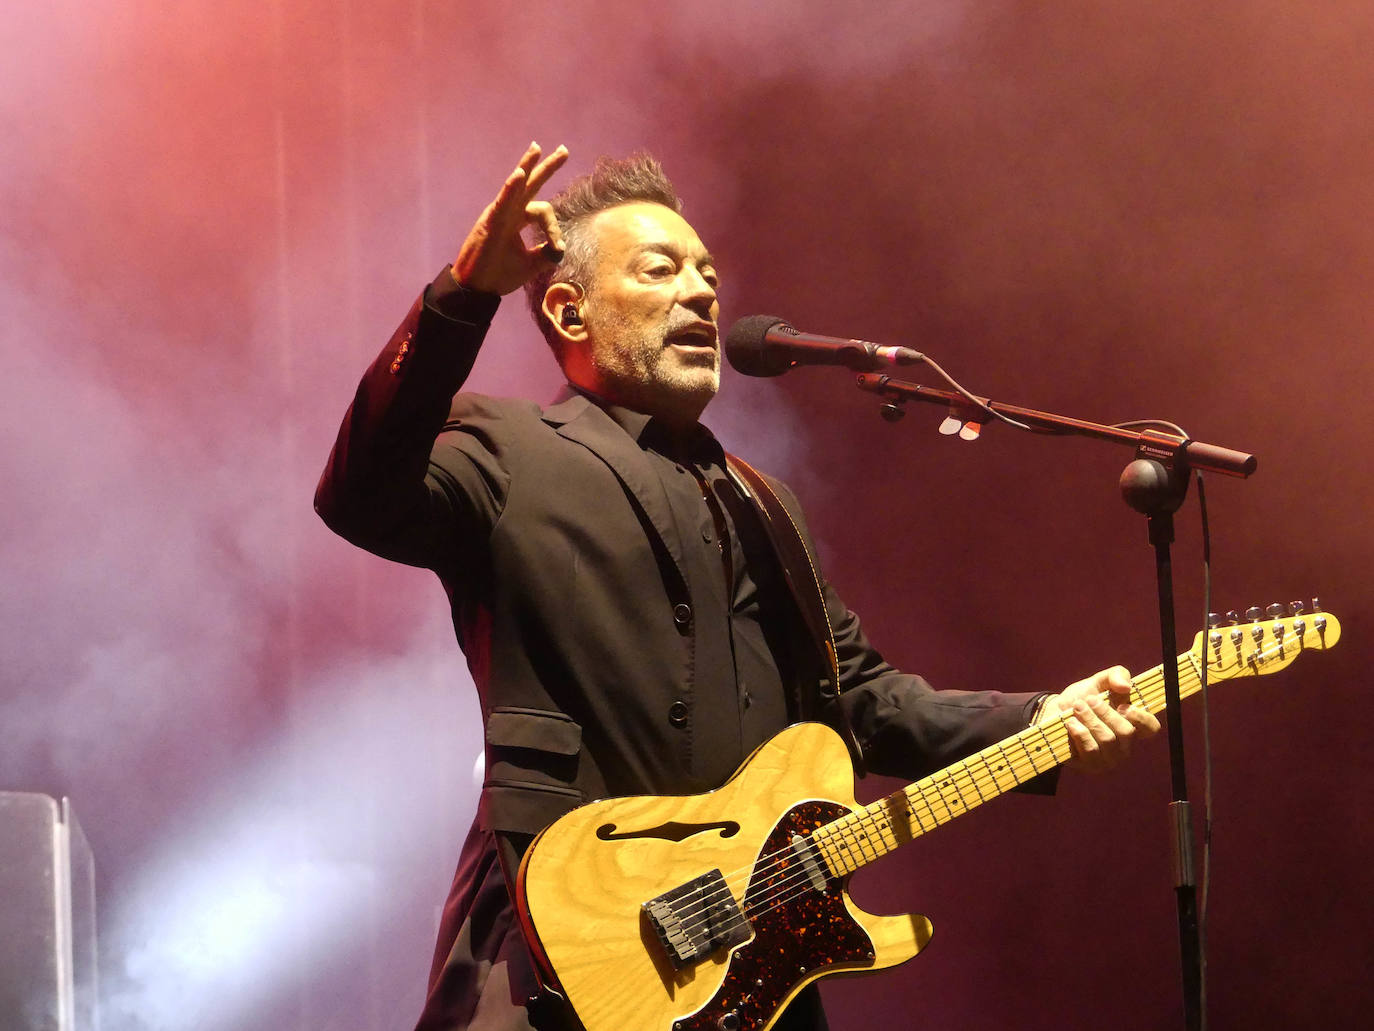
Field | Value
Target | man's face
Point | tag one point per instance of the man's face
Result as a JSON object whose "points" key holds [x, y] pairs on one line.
{"points": [[650, 314]]}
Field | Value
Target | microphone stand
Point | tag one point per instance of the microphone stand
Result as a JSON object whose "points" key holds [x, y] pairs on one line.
{"points": [[1154, 484]]}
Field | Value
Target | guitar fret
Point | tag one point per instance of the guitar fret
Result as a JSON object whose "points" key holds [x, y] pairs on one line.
{"points": [[821, 842], [1058, 744], [926, 789], [1007, 765], [958, 795], [847, 843], [865, 845], [944, 802], [835, 857], [1138, 696], [912, 795], [886, 834], [973, 778], [1030, 757], [871, 832], [1196, 670]]}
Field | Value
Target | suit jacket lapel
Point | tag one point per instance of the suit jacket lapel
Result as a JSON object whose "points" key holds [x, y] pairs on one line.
{"points": [[579, 420]]}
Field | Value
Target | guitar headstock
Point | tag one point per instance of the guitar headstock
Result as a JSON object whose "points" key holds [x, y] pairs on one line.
{"points": [[1264, 641]]}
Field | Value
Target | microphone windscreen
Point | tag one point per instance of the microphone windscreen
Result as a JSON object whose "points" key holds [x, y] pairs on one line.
{"points": [[747, 348]]}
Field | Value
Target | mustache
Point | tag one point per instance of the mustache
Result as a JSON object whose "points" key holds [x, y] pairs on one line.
{"points": [[684, 318]]}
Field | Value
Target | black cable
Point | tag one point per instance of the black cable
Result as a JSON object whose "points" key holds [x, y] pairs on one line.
{"points": [[1206, 749]]}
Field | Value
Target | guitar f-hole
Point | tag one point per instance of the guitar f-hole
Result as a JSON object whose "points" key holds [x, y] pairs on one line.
{"points": [[671, 831]]}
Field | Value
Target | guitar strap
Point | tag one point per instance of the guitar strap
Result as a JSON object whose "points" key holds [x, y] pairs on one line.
{"points": [[799, 572]]}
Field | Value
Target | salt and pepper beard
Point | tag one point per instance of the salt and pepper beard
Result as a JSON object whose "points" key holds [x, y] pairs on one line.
{"points": [[641, 370]]}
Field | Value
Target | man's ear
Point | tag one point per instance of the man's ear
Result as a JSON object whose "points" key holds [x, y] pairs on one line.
{"points": [[563, 308]]}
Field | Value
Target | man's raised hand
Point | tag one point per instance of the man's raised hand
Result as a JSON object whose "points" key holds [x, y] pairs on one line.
{"points": [[495, 258]]}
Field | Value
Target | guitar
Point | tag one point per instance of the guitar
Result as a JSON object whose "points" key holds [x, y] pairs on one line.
{"points": [[710, 912]]}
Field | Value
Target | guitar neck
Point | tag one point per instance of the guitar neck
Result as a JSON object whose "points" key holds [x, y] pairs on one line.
{"points": [[875, 830]]}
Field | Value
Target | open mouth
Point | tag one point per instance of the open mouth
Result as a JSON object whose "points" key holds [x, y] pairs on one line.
{"points": [[699, 335]]}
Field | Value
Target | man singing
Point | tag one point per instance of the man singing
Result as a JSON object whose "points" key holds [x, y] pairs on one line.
{"points": [[621, 604]]}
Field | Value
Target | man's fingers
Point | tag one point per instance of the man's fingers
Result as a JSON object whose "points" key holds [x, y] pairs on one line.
{"points": [[517, 185], [550, 249], [1080, 737], [1102, 721], [539, 175], [541, 213], [512, 208], [1115, 720], [1142, 719], [530, 158], [1094, 726]]}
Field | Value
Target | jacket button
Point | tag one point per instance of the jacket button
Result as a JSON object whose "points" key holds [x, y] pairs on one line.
{"points": [[677, 714], [682, 614], [401, 352]]}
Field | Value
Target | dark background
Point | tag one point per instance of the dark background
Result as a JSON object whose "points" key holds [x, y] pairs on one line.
{"points": [[213, 216]]}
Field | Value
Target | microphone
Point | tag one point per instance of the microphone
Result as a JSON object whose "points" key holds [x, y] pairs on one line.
{"points": [[765, 345]]}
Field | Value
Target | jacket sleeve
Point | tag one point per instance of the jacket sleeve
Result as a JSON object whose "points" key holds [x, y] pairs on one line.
{"points": [[905, 727], [389, 486]]}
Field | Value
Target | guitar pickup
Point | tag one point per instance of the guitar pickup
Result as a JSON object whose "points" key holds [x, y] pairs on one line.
{"points": [[805, 855], [697, 918]]}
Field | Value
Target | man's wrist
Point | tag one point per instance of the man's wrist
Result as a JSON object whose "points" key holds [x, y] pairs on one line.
{"points": [[451, 299], [1038, 711]]}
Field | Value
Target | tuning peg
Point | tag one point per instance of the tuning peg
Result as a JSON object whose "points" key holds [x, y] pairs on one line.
{"points": [[1274, 610], [1295, 608], [1233, 617], [1213, 620], [1316, 604], [1253, 613]]}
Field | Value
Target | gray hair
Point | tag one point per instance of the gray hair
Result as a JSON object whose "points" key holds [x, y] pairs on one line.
{"points": [[612, 182]]}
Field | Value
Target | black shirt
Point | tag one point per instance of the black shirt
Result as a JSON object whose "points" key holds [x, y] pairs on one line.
{"points": [[737, 593]]}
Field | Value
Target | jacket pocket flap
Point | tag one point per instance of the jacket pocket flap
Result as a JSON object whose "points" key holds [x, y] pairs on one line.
{"points": [[526, 808], [533, 728]]}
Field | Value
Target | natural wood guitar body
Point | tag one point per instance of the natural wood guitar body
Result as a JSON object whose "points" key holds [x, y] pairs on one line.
{"points": [[586, 892]]}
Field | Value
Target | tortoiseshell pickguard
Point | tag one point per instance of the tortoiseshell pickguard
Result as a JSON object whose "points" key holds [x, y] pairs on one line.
{"points": [[807, 930]]}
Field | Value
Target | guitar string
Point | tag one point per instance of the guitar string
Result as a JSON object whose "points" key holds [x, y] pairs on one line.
{"points": [[854, 832], [875, 822], [848, 828], [1152, 682], [796, 881], [855, 828]]}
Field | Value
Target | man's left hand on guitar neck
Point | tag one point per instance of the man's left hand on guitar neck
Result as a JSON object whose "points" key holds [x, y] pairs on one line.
{"points": [[1100, 729]]}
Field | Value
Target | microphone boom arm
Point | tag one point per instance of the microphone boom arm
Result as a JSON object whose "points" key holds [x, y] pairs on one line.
{"points": [[1148, 443]]}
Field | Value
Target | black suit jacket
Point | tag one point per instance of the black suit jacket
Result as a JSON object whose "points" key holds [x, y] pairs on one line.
{"points": [[554, 540]]}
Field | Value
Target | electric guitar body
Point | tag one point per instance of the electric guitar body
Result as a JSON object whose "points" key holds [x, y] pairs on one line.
{"points": [[591, 874]]}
